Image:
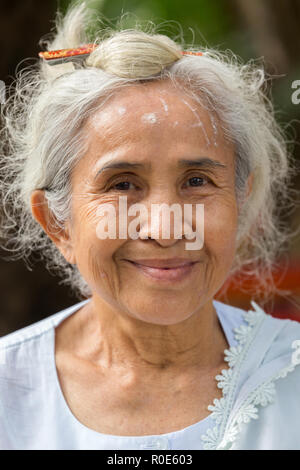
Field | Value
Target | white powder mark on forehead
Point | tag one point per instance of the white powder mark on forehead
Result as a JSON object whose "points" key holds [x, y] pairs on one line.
{"points": [[149, 118], [215, 129], [175, 124], [121, 110], [99, 119], [199, 123], [164, 105]]}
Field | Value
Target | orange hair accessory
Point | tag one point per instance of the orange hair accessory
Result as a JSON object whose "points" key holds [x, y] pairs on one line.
{"points": [[64, 55], [191, 53]]}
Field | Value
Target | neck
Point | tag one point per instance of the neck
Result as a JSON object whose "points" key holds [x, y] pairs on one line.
{"points": [[114, 339]]}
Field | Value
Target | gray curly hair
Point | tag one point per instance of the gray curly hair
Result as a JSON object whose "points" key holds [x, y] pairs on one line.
{"points": [[42, 135]]}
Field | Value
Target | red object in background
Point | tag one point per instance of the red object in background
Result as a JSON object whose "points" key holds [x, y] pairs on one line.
{"points": [[282, 306]]}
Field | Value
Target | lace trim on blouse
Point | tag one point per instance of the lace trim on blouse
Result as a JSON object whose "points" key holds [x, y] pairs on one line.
{"points": [[223, 434]]}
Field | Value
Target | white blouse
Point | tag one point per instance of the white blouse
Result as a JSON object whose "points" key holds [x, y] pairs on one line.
{"points": [[35, 416]]}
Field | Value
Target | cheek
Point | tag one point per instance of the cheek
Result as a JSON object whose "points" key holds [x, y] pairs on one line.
{"points": [[86, 218], [220, 227], [95, 261], [90, 249]]}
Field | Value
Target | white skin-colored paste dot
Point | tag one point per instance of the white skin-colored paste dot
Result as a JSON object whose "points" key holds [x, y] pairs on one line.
{"points": [[121, 110], [98, 120], [215, 129], [149, 118], [164, 105], [199, 123]]}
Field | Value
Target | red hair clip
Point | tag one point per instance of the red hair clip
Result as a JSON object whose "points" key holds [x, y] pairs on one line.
{"points": [[191, 53], [64, 55], [68, 53]]}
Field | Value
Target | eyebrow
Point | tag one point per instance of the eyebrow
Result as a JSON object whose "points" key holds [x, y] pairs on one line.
{"points": [[203, 162]]}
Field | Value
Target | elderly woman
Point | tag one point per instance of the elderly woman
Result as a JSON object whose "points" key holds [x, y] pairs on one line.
{"points": [[148, 359]]}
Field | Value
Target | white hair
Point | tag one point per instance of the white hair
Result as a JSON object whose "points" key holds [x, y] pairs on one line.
{"points": [[43, 135]]}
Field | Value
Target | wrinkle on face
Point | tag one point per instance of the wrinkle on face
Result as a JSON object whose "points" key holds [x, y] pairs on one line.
{"points": [[156, 143]]}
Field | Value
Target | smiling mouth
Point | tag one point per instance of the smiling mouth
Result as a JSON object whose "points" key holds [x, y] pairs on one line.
{"points": [[166, 273]]}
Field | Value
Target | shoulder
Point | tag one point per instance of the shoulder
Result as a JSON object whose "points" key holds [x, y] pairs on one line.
{"points": [[229, 310], [262, 344], [26, 363], [285, 336], [279, 333], [22, 340], [263, 387]]}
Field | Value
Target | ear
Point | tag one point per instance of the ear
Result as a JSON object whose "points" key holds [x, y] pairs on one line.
{"points": [[44, 216]]}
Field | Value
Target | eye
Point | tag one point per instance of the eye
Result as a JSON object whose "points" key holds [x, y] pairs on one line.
{"points": [[122, 185], [198, 181]]}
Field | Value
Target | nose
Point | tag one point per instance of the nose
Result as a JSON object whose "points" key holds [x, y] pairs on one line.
{"points": [[164, 242], [164, 223]]}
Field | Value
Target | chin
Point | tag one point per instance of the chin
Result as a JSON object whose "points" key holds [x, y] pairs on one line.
{"points": [[162, 317]]}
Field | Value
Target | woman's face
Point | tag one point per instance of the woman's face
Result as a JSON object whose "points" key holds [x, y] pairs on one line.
{"points": [[153, 130]]}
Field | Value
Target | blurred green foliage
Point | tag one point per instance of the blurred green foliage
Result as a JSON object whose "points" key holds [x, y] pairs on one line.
{"points": [[202, 21], [210, 23]]}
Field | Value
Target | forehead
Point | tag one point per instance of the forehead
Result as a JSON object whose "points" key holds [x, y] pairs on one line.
{"points": [[163, 97], [157, 117], [149, 105]]}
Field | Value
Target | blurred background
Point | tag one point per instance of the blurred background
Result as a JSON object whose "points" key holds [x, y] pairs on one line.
{"points": [[255, 29]]}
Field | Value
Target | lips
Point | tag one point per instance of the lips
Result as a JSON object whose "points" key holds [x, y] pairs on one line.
{"points": [[164, 263], [171, 270]]}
